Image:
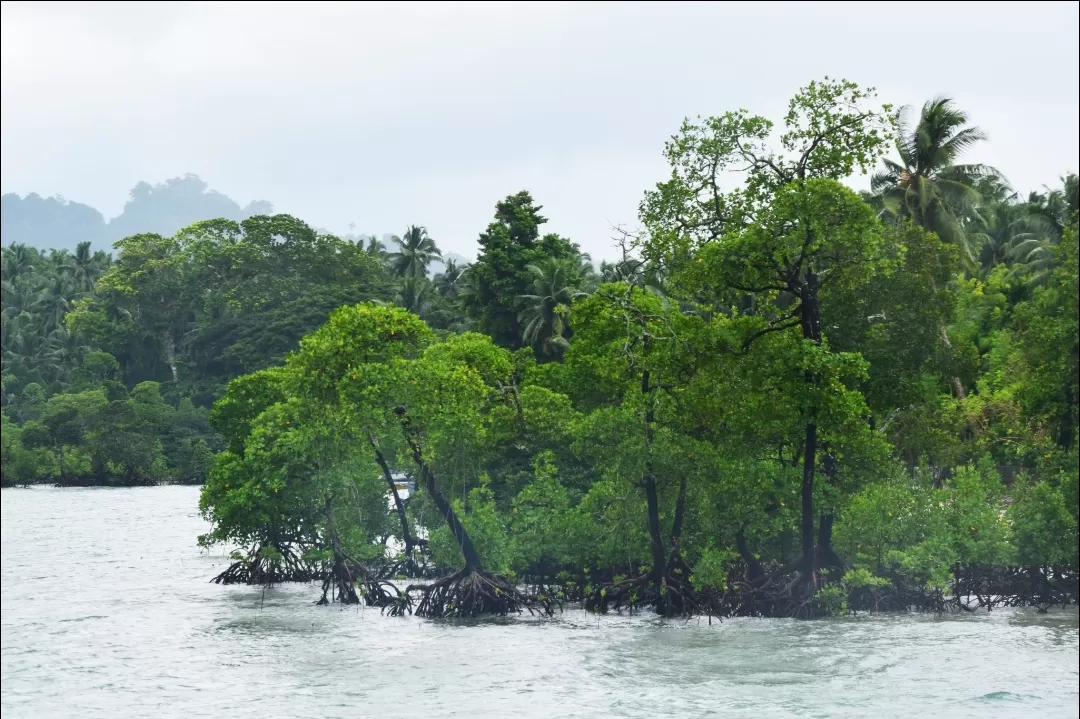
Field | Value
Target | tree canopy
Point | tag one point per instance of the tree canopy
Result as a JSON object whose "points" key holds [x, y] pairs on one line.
{"points": [[784, 398]]}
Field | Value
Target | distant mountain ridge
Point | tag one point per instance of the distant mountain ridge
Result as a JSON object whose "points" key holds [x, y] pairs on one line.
{"points": [[56, 223]]}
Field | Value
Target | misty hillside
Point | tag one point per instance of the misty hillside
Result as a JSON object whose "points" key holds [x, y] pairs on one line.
{"points": [[56, 223]]}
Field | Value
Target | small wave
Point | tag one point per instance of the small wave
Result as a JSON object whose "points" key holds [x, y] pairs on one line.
{"points": [[1005, 697]]}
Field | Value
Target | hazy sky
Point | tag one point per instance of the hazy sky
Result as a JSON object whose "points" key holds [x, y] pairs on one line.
{"points": [[390, 114]]}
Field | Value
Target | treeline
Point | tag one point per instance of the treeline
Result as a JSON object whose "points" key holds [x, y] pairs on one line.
{"points": [[785, 398], [180, 316]]}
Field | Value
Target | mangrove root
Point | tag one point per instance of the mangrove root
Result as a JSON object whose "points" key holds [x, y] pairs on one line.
{"points": [[268, 566], [468, 593], [674, 596]]}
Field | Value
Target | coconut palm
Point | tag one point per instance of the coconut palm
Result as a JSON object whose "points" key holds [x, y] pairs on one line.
{"points": [[375, 246], [84, 268], [926, 184], [557, 283], [18, 260], [415, 253], [449, 283], [27, 350], [1018, 234], [414, 295], [52, 301], [19, 297], [1058, 207]]}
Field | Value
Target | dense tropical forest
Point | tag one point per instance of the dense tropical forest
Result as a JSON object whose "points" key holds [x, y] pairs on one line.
{"points": [[783, 397]]}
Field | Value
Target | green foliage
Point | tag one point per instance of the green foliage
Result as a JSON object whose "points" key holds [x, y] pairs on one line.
{"points": [[769, 359], [501, 275], [831, 601], [487, 527], [909, 526], [1044, 529], [541, 518], [863, 579], [711, 568]]}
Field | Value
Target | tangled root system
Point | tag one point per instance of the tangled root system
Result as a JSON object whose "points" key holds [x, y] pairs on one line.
{"points": [[469, 593]]}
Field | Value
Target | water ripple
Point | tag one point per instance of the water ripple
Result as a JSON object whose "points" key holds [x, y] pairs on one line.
{"points": [[107, 612]]}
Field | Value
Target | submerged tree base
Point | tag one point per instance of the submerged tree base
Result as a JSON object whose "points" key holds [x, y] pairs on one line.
{"points": [[469, 593], [674, 597], [780, 594], [266, 566], [347, 576]]}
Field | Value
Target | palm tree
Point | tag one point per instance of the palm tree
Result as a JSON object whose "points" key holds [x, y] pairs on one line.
{"points": [[927, 185], [19, 297], [544, 319], [17, 260], [52, 302], [27, 350], [588, 279], [84, 268], [375, 246], [414, 295], [1057, 208], [449, 282], [417, 250]]}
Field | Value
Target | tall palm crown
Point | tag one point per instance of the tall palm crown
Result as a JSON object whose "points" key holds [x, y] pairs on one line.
{"points": [[85, 267], [556, 284], [449, 283], [927, 185], [415, 253], [414, 295], [1057, 207], [374, 246]]}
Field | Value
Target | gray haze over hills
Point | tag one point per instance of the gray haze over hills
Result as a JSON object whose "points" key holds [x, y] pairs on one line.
{"points": [[385, 115], [56, 222], [164, 208]]}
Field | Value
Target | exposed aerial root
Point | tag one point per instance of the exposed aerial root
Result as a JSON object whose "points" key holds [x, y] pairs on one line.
{"points": [[346, 576], [266, 566], [414, 566], [468, 593], [674, 597]]}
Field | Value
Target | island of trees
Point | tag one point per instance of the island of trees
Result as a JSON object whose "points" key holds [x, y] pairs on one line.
{"points": [[784, 398]]}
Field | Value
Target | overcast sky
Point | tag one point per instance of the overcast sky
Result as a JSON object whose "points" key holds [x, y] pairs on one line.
{"points": [[391, 114]]}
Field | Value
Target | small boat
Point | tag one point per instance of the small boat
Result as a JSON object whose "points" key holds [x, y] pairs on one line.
{"points": [[404, 484]]}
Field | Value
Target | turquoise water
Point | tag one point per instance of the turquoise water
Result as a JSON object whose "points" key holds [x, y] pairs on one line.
{"points": [[107, 612]]}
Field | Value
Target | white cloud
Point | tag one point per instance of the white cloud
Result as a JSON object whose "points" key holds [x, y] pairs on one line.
{"points": [[396, 113]]}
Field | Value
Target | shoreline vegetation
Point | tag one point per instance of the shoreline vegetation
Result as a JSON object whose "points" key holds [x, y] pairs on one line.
{"points": [[785, 398]]}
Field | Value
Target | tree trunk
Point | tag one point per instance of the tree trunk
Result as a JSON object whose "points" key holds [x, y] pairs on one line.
{"points": [[61, 452], [754, 571], [406, 534], [473, 563], [170, 355], [811, 328], [513, 400], [807, 534], [659, 568], [827, 558], [677, 522], [957, 385]]}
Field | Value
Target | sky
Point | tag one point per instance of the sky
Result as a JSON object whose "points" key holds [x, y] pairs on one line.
{"points": [[384, 115]]}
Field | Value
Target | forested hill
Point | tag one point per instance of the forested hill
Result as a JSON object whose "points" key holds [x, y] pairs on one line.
{"points": [[56, 223]]}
